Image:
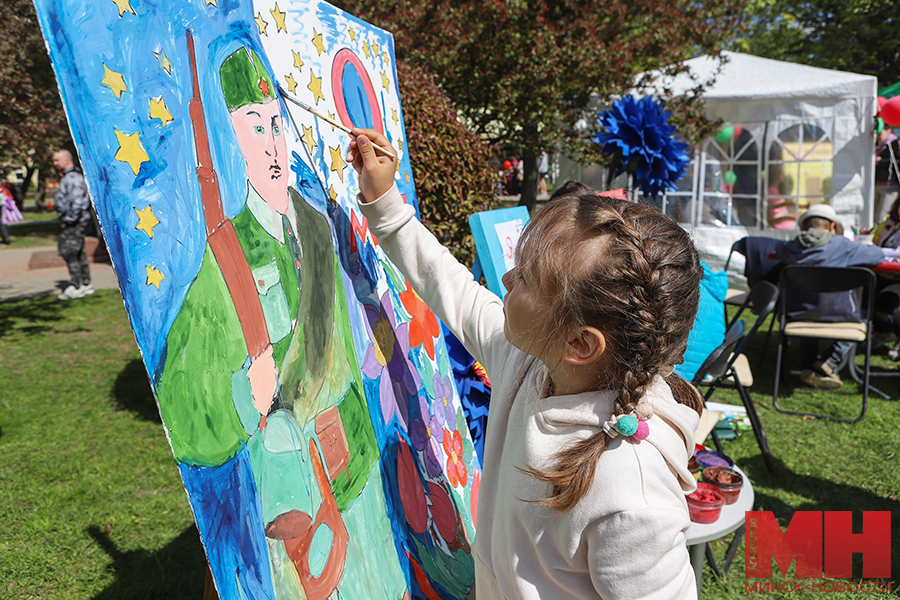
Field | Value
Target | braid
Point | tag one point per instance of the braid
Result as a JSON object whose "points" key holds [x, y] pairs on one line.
{"points": [[638, 283]]}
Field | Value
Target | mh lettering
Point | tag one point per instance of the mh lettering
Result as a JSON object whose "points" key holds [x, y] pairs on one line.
{"points": [[822, 543]]}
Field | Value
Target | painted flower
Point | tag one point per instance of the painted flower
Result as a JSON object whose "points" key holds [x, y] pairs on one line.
{"points": [[639, 134], [422, 431], [443, 408], [456, 468], [423, 327], [386, 361]]}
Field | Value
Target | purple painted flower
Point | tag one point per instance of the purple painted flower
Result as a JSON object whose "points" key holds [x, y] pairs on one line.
{"points": [[423, 431], [443, 408], [386, 361]]}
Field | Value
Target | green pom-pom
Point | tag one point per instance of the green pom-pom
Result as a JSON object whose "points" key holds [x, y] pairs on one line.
{"points": [[627, 425]]}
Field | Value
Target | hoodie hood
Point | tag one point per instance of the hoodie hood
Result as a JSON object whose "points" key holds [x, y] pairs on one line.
{"points": [[672, 426], [814, 238]]}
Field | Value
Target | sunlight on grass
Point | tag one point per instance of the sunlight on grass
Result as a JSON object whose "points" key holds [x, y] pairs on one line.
{"points": [[91, 504]]}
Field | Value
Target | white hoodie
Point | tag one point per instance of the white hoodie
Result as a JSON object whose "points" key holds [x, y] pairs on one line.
{"points": [[626, 538]]}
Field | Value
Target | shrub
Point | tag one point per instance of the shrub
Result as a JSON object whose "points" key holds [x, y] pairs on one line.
{"points": [[449, 162]]}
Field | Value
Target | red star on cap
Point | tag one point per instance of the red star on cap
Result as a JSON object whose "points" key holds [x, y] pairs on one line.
{"points": [[264, 86]]}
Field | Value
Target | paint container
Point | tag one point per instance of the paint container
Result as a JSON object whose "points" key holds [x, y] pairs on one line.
{"points": [[728, 481], [695, 469], [705, 504], [711, 458]]}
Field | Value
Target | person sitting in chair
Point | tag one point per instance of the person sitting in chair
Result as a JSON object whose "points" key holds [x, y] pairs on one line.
{"points": [[820, 244]]}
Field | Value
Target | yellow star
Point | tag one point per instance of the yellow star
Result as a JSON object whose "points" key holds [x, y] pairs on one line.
{"points": [[154, 277], [159, 110], [333, 194], [386, 57], [261, 24], [315, 86], [213, 2], [123, 5], [308, 139], [298, 62], [292, 85], [337, 161], [407, 177], [394, 116], [374, 49], [146, 221], [113, 81], [333, 117], [366, 49], [385, 82], [352, 35], [279, 18], [317, 42], [164, 63], [399, 144], [131, 151]]}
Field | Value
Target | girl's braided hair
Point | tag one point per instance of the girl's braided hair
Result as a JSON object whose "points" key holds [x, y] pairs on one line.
{"points": [[632, 273]]}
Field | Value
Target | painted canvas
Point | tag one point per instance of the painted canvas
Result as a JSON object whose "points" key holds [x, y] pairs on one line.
{"points": [[304, 387]]}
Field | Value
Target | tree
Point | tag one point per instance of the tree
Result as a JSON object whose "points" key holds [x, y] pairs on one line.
{"points": [[449, 162], [32, 122], [534, 71], [860, 36]]}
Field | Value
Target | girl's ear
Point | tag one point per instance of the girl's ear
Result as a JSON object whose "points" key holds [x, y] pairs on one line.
{"points": [[585, 346]]}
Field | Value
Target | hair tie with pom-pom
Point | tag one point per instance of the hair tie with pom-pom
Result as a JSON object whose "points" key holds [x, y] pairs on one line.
{"points": [[627, 425]]}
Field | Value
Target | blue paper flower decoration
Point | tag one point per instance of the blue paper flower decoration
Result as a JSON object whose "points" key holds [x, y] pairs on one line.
{"points": [[638, 132]]}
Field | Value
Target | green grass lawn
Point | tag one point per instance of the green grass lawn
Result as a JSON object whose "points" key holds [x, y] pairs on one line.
{"points": [[91, 505]]}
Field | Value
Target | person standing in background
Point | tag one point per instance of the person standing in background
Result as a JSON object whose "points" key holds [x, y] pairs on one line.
{"points": [[543, 173], [73, 203], [887, 178]]}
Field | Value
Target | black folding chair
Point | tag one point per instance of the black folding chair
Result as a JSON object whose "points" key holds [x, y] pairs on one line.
{"points": [[727, 366], [799, 281]]}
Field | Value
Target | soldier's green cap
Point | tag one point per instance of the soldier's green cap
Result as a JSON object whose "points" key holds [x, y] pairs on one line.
{"points": [[244, 79]]}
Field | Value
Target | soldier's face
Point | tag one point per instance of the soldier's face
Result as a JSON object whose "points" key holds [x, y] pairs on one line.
{"points": [[259, 134]]}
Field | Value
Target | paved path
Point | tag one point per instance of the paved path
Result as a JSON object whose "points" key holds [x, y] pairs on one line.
{"points": [[17, 281]]}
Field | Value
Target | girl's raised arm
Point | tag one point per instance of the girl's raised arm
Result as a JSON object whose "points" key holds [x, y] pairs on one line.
{"points": [[471, 311]]}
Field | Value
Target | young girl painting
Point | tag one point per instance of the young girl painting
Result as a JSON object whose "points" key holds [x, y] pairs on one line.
{"points": [[585, 460]]}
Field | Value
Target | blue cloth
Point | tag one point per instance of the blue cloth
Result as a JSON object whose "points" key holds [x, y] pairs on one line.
{"points": [[474, 394], [708, 332]]}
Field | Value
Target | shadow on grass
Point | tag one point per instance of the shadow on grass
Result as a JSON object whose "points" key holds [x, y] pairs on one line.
{"points": [[131, 391], [819, 495], [40, 313], [176, 571]]}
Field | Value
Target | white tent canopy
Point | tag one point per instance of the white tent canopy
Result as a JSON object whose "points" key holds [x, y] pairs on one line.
{"points": [[802, 134]]}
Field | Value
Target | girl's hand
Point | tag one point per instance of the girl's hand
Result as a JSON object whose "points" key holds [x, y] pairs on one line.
{"points": [[376, 171]]}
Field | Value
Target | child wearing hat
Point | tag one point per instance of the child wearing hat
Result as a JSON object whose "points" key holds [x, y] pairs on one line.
{"points": [[820, 243]]}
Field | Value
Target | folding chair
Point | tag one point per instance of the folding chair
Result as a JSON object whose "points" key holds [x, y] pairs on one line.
{"points": [[727, 366], [757, 264], [799, 280]]}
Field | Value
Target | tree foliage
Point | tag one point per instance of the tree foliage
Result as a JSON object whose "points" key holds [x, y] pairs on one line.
{"points": [[532, 71], [449, 162], [860, 36], [32, 121]]}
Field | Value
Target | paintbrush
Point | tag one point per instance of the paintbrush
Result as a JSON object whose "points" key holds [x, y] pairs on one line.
{"points": [[328, 119]]}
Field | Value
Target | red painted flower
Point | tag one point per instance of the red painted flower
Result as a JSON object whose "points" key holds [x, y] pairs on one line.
{"points": [[456, 468], [423, 327]]}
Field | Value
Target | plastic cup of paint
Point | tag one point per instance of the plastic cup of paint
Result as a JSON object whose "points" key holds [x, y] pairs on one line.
{"points": [[695, 469], [728, 481], [711, 458], [705, 504]]}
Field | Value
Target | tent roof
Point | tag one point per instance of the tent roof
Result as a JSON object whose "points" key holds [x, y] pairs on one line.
{"points": [[745, 76], [890, 91]]}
